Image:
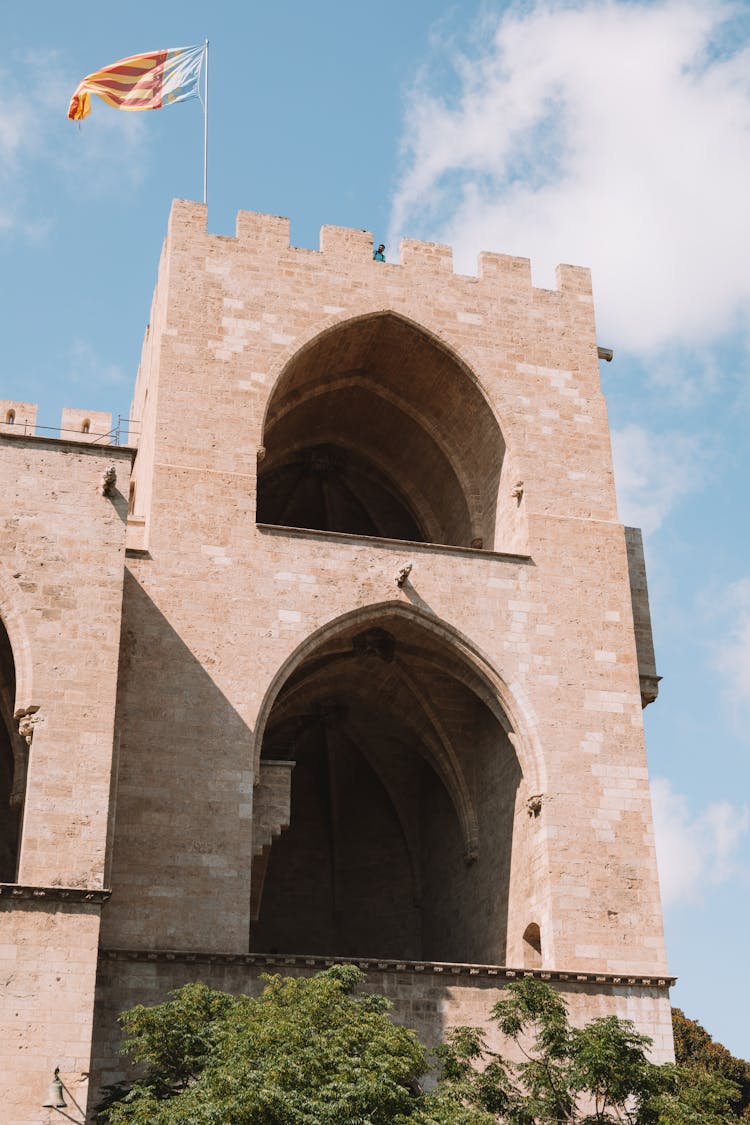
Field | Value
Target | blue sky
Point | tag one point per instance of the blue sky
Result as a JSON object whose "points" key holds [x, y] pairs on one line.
{"points": [[610, 135]]}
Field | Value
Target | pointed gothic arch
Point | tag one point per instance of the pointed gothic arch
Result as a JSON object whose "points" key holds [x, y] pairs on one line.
{"points": [[508, 703], [377, 427], [405, 795]]}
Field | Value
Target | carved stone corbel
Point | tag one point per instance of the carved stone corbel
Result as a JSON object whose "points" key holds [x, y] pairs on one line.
{"points": [[20, 745], [534, 805], [27, 720]]}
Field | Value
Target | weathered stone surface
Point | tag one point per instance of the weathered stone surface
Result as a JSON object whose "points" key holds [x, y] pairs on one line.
{"points": [[62, 549], [372, 532]]}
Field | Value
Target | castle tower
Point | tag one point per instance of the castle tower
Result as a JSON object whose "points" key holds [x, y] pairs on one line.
{"points": [[360, 673]]}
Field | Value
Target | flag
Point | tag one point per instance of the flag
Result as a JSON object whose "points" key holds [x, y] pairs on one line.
{"points": [[148, 81]]}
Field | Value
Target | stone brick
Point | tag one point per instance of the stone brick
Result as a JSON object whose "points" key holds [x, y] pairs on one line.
{"points": [[370, 531]]}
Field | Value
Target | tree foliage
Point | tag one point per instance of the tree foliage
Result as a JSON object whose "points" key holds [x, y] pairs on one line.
{"points": [[600, 1073], [306, 1051], [311, 1051], [696, 1050]]}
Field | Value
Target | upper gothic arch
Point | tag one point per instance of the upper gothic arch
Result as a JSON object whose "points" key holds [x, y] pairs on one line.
{"points": [[376, 427]]}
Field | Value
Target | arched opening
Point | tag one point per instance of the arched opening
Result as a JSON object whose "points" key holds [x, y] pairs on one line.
{"points": [[532, 947], [86, 427], [10, 417], [403, 800], [377, 428], [329, 488], [12, 765]]}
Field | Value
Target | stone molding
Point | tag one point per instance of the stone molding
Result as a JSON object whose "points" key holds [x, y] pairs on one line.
{"points": [[110, 451], [53, 894], [378, 541], [373, 964]]}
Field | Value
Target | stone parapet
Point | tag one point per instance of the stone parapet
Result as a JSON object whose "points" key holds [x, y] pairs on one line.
{"points": [[263, 232], [17, 417], [429, 997], [269, 962]]}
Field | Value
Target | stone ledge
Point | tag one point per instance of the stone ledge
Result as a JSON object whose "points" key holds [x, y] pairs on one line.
{"points": [[377, 541], [373, 964], [87, 446], [19, 891]]}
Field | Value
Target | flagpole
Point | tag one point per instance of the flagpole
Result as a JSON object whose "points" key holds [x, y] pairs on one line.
{"points": [[205, 129]]}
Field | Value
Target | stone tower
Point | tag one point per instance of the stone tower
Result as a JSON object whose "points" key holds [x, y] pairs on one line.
{"points": [[350, 665]]}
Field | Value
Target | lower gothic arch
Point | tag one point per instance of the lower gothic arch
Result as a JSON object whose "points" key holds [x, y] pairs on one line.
{"points": [[509, 705], [408, 796]]}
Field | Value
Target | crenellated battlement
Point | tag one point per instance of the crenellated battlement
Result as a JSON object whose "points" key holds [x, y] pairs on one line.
{"points": [[20, 419], [17, 417], [267, 232]]}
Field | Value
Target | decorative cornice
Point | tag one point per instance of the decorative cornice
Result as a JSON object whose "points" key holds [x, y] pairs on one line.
{"points": [[23, 892], [370, 964]]}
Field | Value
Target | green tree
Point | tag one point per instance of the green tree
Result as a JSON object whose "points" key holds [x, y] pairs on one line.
{"points": [[311, 1051], [599, 1073], [307, 1051], [596, 1074], [695, 1050]]}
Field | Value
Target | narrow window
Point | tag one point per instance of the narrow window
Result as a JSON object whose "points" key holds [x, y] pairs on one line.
{"points": [[532, 947], [131, 498], [86, 427], [10, 417]]}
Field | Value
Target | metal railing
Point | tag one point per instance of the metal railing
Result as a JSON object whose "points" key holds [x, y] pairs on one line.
{"points": [[120, 434]]}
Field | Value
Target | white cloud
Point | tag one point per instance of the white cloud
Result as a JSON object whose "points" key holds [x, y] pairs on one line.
{"points": [[39, 144], [695, 850], [615, 135], [655, 471], [733, 653], [87, 369]]}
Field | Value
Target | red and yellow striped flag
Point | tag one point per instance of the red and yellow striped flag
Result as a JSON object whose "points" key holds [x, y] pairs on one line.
{"points": [[149, 81]]}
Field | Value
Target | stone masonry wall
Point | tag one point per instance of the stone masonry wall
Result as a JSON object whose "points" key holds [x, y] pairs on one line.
{"points": [[216, 606], [62, 547], [48, 968], [168, 662], [428, 998]]}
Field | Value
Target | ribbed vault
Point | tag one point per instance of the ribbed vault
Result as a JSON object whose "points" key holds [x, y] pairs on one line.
{"points": [[403, 796], [332, 489], [377, 428]]}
